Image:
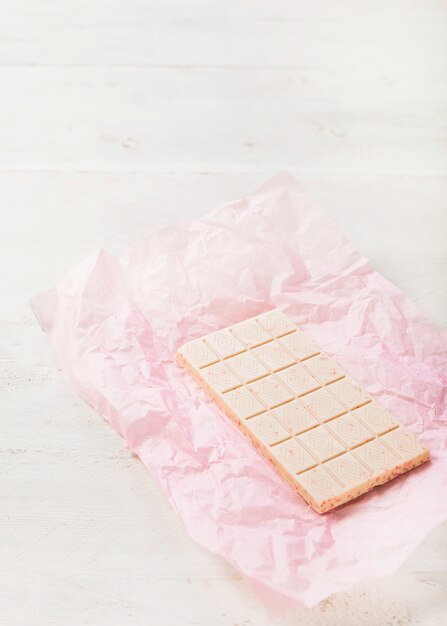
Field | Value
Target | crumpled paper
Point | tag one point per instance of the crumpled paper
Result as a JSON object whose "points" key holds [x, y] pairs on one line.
{"points": [[116, 323]]}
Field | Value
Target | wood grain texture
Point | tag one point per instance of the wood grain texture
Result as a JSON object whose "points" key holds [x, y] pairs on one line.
{"points": [[119, 117], [316, 120]]}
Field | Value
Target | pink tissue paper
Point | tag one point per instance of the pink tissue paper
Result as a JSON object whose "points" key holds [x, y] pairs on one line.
{"points": [[116, 323]]}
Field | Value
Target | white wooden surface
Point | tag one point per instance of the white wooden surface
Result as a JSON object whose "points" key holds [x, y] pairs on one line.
{"points": [[117, 117]]}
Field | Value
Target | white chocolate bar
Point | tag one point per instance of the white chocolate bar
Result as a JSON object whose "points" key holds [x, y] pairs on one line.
{"points": [[318, 427]]}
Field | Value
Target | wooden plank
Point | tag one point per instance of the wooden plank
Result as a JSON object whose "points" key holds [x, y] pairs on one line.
{"points": [[219, 120], [233, 34]]}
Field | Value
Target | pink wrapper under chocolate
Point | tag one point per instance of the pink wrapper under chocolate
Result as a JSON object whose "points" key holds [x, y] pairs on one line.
{"points": [[116, 324]]}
